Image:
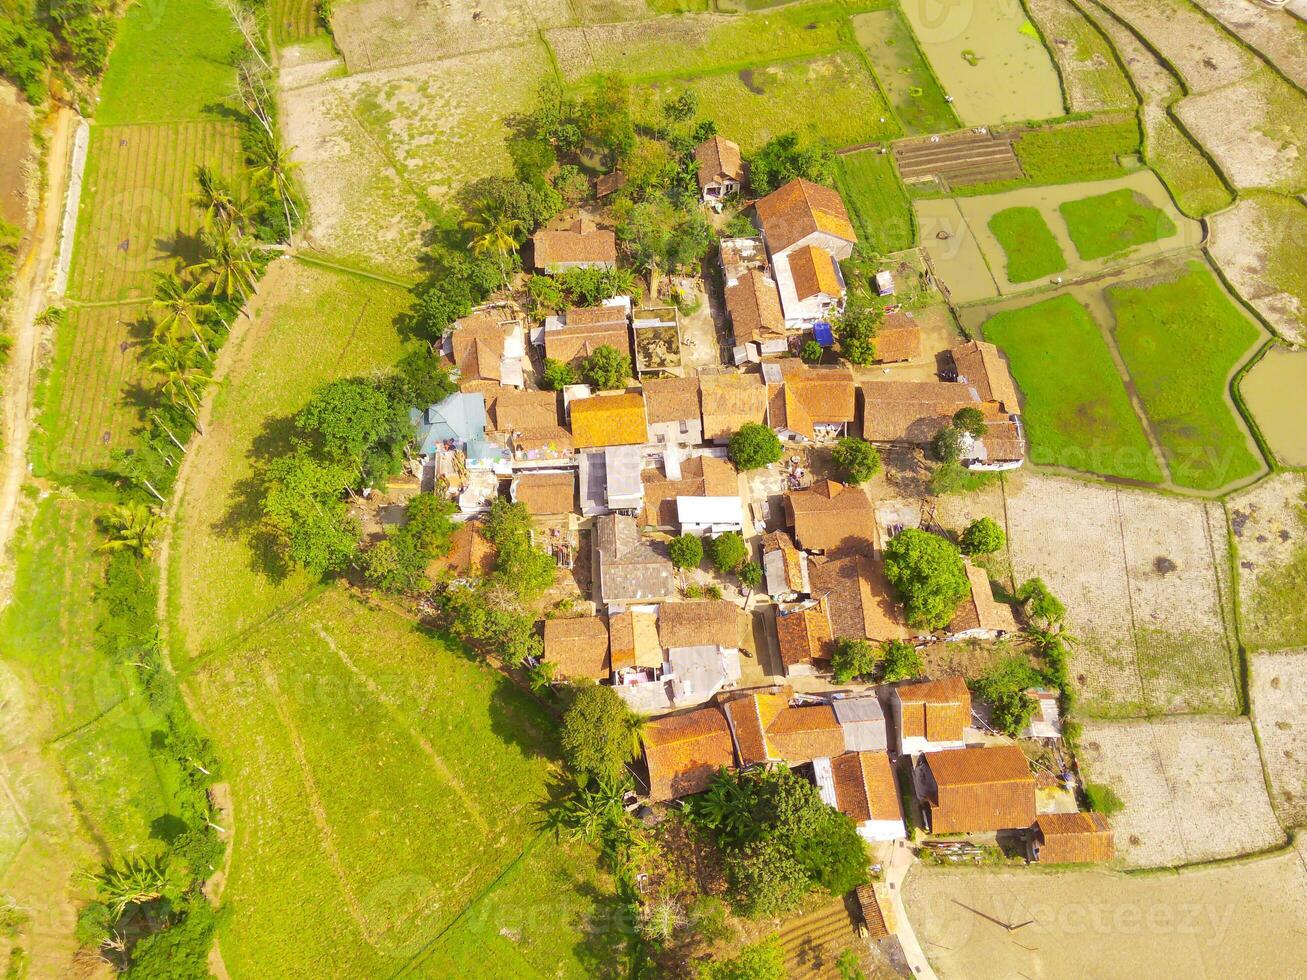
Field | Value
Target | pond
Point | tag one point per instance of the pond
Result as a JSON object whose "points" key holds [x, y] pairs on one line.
{"points": [[1273, 391], [988, 57]]}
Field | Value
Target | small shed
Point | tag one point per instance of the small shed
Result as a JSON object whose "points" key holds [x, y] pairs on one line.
{"points": [[1071, 838]]}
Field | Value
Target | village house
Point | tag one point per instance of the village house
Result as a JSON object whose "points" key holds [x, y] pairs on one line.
{"points": [[633, 648], [672, 408], [931, 716], [911, 412], [574, 335], [683, 752], [698, 476], [754, 307], [577, 648], [807, 231], [809, 405], [545, 494], [831, 518], [710, 516], [528, 422], [608, 420], [862, 603], [863, 722], [766, 728], [975, 789], [486, 352], [980, 616], [898, 338], [1071, 838], [607, 185], [610, 480], [804, 638], [579, 245], [702, 644], [451, 440], [865, 790], [471, 556], [719, 168], [729, 401], [784, 567], [626, 568]]}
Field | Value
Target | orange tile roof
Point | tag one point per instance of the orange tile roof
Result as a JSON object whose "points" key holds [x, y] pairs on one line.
{"points": [[981, 610], [683, 752], [976, 789], [898, 339], [862, 603], [729, 401], [633, 640], [1073, 838], [802, 734], [831, 517], [912, 411], [546, 493], [938, 710], [581, 242], [701, 476], [865, 787], [800, 208], [804, 635], [754, 306], [609, 420], [791, 556], [710, 622], [718, 159], [672, 399], [985, 369], [578, 647], [747, 726], [477, 345], [524, 411], [813, 271]]}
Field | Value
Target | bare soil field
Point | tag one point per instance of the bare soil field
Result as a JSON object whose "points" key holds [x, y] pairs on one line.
{"points": [[16, 167], [1278, 687], [1142, 578], [1154, 80], [1269, 524], [1204, 922], [1277, 34], [1265, 149], [378, 34], [1192, 788], [1205, 55], [1090, 74], [1259, 246]]}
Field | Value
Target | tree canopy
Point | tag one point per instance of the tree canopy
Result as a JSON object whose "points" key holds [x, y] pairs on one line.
{"points": [[686, 551], [557, 375], [785, 157], [596, 734], [854, 658], [729, 551], [983, 536], [857, 459], [928, 572], [856, 329], [607, 368], [754, 447]]}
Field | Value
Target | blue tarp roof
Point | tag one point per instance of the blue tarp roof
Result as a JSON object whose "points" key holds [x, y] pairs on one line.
{"points": [[459, 418], [821, 332]]}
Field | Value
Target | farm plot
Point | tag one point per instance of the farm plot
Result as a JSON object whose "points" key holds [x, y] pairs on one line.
{"points": [[1265, 149], [832, 98], [1188, 319], [1270, 391], [1077, 412], [1259, 246], [377, 34], [1091, 76], [1203, 922], [995, 70], [695, 44], [1278, 685], [1196, 186], [912, 88], [1192, 788], [1118, 221], [338, 731], [876, 201], [1269, 524], [1129, 565], [955, 251], [292, 21], [136, 215], [96, 395], [309, 326], [1204, 54], [1031, 250], [1281, 37]]}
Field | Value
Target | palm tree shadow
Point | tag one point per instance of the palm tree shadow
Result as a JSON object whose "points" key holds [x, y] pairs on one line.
{"points": [[242, 520]]}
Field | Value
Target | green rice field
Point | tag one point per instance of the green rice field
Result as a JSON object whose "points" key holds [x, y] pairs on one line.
{"points": [[880, 209], [1031, 250], [1107, 224]]}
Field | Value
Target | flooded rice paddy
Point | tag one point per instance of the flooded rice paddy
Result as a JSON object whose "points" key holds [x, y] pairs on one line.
{"points": [[1274, 392]]}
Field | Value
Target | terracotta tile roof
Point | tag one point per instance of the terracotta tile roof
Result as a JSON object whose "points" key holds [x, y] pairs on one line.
{"points": [[747, 726], [981, 610], [865, 787], [813, 271], [633, 640], [1073, 838], [672, 399], [524, 411], [580, 242], [911, 411], [701, 476], [791, 558], [575, 341], [986, 371], [606, 184], [1003, 440], [731, 400], [546, 493], [869, 903], [713, 622], [754, 305], [980, 789], [862, 604], [813, 396], [803, 635], [898, 339], [802, 734], [577, 647], [470, 553], [683, 752], [718, 160], [831, 517], [477, 346], [609, 420], [938, 711], [799, 209]]}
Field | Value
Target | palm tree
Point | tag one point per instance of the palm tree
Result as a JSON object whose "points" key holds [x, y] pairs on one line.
{"points": [[216, 200], [134, 528], [179, 307], [273, 166], [495, 232], [227, 264], [541, 676], [176, 364], [138, 881], [637, 724]]}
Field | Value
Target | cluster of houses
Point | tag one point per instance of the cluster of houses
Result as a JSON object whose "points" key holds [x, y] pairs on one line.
{"points": [[638, 465]]}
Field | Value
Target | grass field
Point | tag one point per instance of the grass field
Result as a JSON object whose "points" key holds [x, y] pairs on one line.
{"points": [[1268, 524], [171, 61], [1077, 412], [832, 97], [881, 211], [1181, 339], [1032, 251], [913, 90], [291, 21], [1091, 76], [1106, 224], [310, 326], [1189, 176], [383, 782]]}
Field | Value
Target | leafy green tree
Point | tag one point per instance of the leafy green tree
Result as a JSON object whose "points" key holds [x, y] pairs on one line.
{"points": [[423, 377], [304, 515], [853, 658], [983, 536], [682, 107], [857, 459], [26, 48], [765, 878], [1041, 605], [751, 574], [971, 421], [754, 447], [353, 422], [728, 551], [811, 351], [494, 232], [1004, 688], [181, 950], [899, 661], [547, 294], [947, 445], [519, 565], [656, 234], [596, 734], [572, 184], [856, 329], [607, 368], [928, 572], [784, 157], [557, 375], [604, 116], [686, 551]]}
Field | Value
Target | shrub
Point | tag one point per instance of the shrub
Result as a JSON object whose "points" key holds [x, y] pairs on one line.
{"points": [[1004, 687], [763, 960], [856, 328], [751, 574], [1103, 799], [607, 368], [811, 351], [712, 591], [686, 551], [557, 375], [853, 659], [857, 459], [754, 447], [900, 661], [1041, 605], [783, 158], [983, 536], [970, 420], [928, 572], [728, 551]]}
